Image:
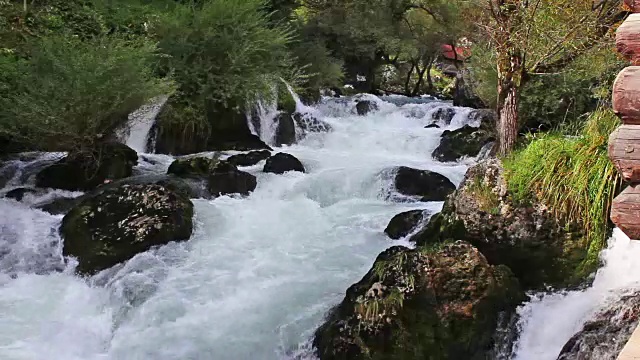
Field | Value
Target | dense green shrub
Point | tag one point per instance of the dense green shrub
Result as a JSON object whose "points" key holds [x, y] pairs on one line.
{"points": [[571, 175], [71, 93]]}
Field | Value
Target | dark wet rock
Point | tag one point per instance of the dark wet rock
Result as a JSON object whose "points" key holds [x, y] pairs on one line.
{"points": [[467, 141], [404, 223], [432, 126], [280, 163], [438, 303], [310, 123], [227, 179], [249, 159], [199, 167], [523, 236], [364, 107], [221, 177], [444, 115], [605, 334], [188, 186], [227, 128], [58, 206], [116, 224], [87, 170], [285, 130], [428, 185], [19, 193]]}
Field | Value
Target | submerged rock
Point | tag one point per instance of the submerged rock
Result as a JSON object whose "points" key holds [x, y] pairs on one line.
{"points": [[281, 163], [432, 126], [404, 223], [118, 223], [466, 141], [249, 159], [437, 303], [604, 336], [364, 107], [19, 193], [86, 170], [524, 236], [428, 185], [444, 115], [310, 123], [58, 206]]}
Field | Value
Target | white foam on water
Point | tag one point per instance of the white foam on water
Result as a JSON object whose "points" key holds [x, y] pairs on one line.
{"points": [[548, 321], [140, 123], [257, 276]]}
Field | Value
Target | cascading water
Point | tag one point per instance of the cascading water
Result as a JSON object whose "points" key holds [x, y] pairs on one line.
{"points": [[140, 123], [548, 321], [258, 274]]}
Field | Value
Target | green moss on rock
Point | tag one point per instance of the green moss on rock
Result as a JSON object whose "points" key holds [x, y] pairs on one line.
{"points": [[438, 303], [116, 224]]}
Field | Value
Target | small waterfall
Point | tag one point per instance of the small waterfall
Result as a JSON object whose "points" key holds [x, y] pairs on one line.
{"points": [[548, 321], [140, 123]]}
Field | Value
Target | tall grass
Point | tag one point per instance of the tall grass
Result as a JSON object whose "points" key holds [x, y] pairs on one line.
{"points": [[573, 176]]}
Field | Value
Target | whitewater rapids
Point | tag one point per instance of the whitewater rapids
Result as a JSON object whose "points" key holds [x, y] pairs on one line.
{"points": [[258, 274]]}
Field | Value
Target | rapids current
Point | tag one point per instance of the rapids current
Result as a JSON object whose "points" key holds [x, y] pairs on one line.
{"points": [[260, 272]]}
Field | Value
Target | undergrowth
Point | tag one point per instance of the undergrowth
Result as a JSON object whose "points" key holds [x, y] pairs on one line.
{"points": [[573, 176]]}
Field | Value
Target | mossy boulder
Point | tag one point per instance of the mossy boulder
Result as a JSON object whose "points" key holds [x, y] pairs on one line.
{"points": [[523, 236], [219, 177], [249, 159], [116, 224], [467, 141], [281, 163], [193, 167], [87, 169], [186, 126], [424, 184], [429, 303], [404, 223], [605, 334]]}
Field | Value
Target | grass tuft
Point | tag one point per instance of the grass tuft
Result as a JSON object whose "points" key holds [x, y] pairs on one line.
{"points": [[573, 176]]}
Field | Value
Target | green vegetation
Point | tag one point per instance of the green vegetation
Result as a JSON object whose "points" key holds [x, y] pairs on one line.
{"points": [[573, 176]]}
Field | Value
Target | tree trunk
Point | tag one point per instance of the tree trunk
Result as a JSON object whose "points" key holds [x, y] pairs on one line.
{"points": [[407, 82], [429, 79], [416, 89], [510, 73]]}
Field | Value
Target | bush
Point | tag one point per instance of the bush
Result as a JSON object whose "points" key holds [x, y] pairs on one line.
{"points": [[226, 53], [573, 176], [71, 93]]}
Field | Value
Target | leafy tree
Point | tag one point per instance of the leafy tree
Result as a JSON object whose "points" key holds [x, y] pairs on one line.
{"points": [[534, 37]]}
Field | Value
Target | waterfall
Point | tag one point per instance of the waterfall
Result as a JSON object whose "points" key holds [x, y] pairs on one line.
{"points": [[548, 321], [258, 274], [140, 123]]}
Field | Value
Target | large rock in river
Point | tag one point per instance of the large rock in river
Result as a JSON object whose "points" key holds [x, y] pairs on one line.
{"points": [[468, 140], [118, 223], [439, 303], [428, 185], [364, 107], [219, 176], [604, 336], [524, 235], [281, 163], [88, 169]]}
